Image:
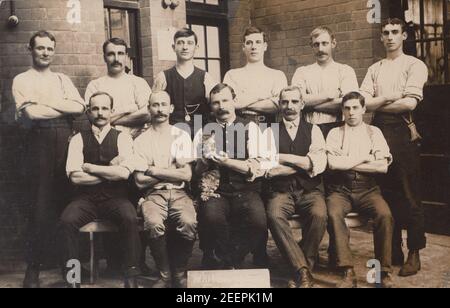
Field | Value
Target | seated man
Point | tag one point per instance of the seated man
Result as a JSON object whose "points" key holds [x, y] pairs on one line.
{"points": [[163, 156], [356, 152], [234, 222], [98, 164], [296, 187]]}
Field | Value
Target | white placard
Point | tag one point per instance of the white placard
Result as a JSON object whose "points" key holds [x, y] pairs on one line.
{"points": [[241, 279], [165, 42]]}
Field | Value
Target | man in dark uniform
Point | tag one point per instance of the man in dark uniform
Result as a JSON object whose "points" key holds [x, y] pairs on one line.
{"points": [[235, 222], [46, 101], [187, 85]]}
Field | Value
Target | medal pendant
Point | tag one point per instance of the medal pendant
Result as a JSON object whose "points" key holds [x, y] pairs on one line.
{"points": [[187, 118]]}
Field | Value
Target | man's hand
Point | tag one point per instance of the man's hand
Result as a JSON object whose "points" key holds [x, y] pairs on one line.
{"points": [[335, 152], [117, 161], [220, 159], [394, 96], [150, 171], [370, 158], [331, 95], [88, 168]]}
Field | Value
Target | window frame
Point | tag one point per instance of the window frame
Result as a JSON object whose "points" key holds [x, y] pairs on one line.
{"points": [[214, 16], [134, 28]]}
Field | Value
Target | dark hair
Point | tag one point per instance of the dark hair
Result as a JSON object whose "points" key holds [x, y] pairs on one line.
{"points": [[291, 89], [115, 41], [220, 87], [394, 21], [41, 33], [354, 95], [254, 30], [185, 32], [100, 94]]}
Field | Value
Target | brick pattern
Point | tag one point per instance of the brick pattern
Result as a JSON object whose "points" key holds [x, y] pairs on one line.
{"points": [[154, 18], [79, 55], [288, 24]]}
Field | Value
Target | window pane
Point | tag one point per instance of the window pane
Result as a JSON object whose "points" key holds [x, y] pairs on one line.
{"points": [[200, 64], [213, 42], [431, 49], [212, 2], [200, 31], [214, 69]]}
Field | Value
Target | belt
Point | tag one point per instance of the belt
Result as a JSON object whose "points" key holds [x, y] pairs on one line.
{"points": [[169, 186]]}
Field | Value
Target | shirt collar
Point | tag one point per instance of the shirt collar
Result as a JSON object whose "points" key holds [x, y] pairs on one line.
{"points": [[101, 133], [294, 123], [228, 123]]}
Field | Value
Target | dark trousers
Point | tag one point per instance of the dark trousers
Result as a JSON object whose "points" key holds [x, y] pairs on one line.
{"points": [[401, 186], [85, 209], [313, 212], [49, 190], [235, 223], [369, 202]]}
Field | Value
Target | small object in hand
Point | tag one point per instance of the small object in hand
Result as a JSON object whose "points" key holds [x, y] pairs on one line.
{"points": [[415, 136], [210, 180]]}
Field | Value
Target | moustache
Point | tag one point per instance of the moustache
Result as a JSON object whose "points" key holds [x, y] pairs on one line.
{"points": [[322, 54], [290, 112], [117, 63], [161, 115], [100, 118], [222, 112]]}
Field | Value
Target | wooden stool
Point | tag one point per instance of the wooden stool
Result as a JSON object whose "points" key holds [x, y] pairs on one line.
{"points": [[353, 220], [100, 226]]}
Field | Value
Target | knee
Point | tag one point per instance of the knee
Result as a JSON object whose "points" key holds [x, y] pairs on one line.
{"points": [[319, 215], [384, 216]]}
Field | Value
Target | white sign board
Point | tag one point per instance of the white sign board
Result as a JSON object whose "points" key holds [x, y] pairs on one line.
{"points": [[240, 279], [165, 42]]}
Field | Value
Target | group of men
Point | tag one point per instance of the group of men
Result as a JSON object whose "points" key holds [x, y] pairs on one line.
{"points": [[263, 176]]}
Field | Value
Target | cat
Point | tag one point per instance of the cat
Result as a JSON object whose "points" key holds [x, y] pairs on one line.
{"points": [[210, 180]]}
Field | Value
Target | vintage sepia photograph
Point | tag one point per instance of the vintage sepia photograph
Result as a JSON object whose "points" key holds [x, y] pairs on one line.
{"points": [[241, 145]]}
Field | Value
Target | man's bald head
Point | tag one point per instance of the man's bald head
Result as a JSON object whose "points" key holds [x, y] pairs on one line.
{"points": [[159, 96]]}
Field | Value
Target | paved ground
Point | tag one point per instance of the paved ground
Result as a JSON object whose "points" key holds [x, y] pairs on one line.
{"points": [[435, 267]]}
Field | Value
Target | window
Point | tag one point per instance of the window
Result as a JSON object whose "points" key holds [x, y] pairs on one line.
{"points": [[122, 23], [428, 36], [208, 19]]}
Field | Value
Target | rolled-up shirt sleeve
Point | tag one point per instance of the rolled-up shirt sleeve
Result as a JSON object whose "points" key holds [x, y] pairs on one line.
{"points": [[140, 161], [125, 147], [70, 91], [417, 77], [142, 92], [262, 147], [368, 85], [22, 99], [317, 152], [75, 156], [349, 81], [380, 146]]}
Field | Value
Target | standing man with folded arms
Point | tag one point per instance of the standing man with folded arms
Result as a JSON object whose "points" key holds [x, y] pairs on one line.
{"points": [[47, 102], [130, 92], [325, 82], [187, 85], [393, 88]]}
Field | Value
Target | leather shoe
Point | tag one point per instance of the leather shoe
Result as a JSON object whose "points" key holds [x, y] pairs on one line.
{"points": [[412, 265], [349, 280], [131, 283], [164, 281], [31, 280], [386, 281], [303, 280]]}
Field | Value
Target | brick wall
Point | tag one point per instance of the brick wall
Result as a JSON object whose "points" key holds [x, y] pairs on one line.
{"points": [[154, 18], [78, 55], [289, 23]]}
